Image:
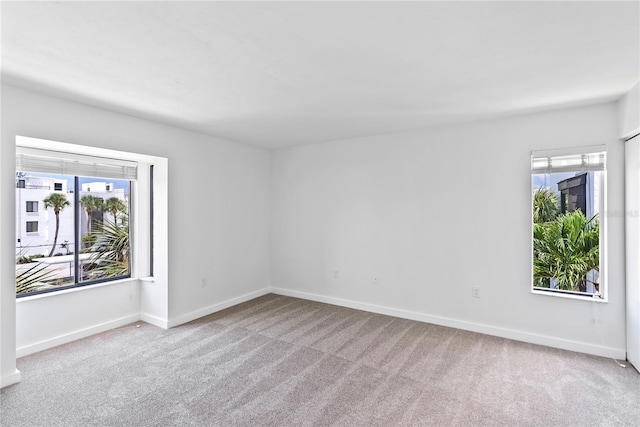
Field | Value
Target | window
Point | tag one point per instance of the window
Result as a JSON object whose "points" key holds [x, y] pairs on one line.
{"points": [[21, 183], [568, 199], [86, 238], [32, 206]]}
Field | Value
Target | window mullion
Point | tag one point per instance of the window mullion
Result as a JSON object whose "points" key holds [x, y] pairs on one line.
{"points": [[76, 225]]}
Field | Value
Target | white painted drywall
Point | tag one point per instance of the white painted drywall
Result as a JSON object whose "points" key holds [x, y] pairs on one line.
{"points": [[53, 319], [629, 116], [629, 112], [632, 217], [433, 213], [218, 216]]}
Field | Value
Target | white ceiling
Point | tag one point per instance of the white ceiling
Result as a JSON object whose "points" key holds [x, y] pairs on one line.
{"points": [[276, 74]]}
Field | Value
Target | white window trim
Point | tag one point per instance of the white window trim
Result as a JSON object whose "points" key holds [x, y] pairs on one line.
{"points": [[74, 289]]}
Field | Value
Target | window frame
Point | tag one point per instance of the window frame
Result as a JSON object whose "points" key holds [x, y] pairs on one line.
{"points": [[149, 205], [32, 231], [77, 211], [603, 295], [34, 203]]}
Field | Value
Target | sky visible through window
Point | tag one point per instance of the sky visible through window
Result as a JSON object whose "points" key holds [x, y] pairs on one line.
{"points": [[550, 180]]}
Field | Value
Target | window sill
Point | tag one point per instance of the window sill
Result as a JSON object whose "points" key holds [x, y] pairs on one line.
{"points": [[586, 297], [73, 290]]}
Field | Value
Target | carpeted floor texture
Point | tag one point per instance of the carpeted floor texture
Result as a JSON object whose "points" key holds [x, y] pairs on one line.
{"points": [[280, 361]]}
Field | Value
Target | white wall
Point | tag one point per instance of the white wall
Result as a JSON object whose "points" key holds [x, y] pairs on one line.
{"points": [[47, 320], [632, 189], [629, 113], [223, 184], [435, 212]]}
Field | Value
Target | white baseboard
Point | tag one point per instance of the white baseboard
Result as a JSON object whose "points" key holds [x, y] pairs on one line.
{"points": [[75, 335], [581, 347], [188, 317], [154, 320], [10, 379]]}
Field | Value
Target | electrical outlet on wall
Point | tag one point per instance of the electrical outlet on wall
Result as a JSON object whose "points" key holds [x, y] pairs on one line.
{"points": [[203, 283], [336, 274]]}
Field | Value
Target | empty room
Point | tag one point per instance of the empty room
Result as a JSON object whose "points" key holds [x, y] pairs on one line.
{"points": [[320, 213]]}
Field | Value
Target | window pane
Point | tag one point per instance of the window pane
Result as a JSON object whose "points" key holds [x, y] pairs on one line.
{"points": [[78, 227], [44, 232], [32, 206], [104, 228], [566, 232]]}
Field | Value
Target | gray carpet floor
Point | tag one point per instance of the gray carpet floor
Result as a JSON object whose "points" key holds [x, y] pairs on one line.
{"points": [[280, 361]]}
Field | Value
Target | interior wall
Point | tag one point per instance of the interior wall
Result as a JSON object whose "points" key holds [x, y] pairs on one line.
{"points": [[433, 213], [632, 217], [218, 211], [44, 321], [629, 112]]}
